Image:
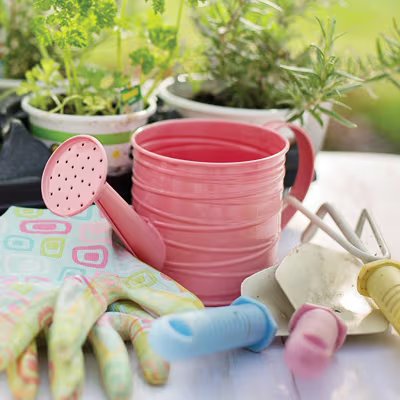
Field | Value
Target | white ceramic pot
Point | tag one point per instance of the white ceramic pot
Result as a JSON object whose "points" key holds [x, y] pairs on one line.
{"points": [[177, 93], [113, 131]]}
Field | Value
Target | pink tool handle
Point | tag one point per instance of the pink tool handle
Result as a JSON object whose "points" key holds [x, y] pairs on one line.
{"points": [[316, 333], [139, 236], [305, 173]]}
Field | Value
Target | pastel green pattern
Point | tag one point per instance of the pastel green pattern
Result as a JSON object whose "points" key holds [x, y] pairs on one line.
{"points": [[52, 247]]}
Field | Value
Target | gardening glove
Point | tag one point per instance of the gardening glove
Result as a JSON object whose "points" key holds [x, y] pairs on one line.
{"points": [[107, 338], [35, 264], [23, 374], [26, 308], [80, 297], [34, 309]]}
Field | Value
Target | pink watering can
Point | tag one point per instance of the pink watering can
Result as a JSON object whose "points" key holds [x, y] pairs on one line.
{"points": [[208, 196]]}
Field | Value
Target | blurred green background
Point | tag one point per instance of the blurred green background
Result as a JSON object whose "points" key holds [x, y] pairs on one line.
{"points": [[378, 119]]}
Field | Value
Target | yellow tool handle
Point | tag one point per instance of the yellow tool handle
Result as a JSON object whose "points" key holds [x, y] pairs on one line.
{"points": [[380, 280]]}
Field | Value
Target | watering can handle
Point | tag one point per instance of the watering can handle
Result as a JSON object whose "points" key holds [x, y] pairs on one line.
{"points": [[305, 173]]}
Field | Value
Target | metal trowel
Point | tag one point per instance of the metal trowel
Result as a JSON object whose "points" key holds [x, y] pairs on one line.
{"points": [[318, 275], [312, 295]]}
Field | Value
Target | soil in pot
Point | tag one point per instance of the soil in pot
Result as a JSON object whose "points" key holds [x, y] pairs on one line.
{"points": [[223, 98]]}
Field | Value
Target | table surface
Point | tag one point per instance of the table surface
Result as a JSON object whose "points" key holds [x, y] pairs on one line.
{"points": [[366, 368]]}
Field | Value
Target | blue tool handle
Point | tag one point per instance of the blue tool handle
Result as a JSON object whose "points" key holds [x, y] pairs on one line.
{"points": [[245, 323]]}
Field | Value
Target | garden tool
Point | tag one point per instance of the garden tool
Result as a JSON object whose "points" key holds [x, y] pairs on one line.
{"points": [[311, 295], [59, 275], [313, 298], [245, 323], [379, 277], [316, 332]]}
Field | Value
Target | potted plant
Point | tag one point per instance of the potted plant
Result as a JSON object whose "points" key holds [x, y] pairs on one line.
{"points": [[69, 97], [252, 71]]}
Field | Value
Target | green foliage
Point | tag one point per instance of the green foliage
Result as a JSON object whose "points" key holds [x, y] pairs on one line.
{"points": [[43, 80], [97, 95], [143, 58], [21, 50], [68, 27], [158, 6], [163, 38], [160, 50], [3, 14], [322, 82], [73, 23], [250, 51], [74, 26], [388, 56], [155, 57]]}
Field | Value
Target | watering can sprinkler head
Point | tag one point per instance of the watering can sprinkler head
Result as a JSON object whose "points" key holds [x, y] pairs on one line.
{"points": [[75, 177]]}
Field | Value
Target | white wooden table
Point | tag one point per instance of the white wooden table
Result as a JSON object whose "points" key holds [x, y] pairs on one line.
{"points": [[366, 368]]}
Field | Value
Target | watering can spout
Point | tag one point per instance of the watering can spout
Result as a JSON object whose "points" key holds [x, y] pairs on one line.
{"points": [[75, 177], [140, 237]]}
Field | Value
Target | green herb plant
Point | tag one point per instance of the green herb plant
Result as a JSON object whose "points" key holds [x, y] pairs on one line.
{"points": [[160, 50], [252, 50], [320, 82], [73, 27], [67, 86]]}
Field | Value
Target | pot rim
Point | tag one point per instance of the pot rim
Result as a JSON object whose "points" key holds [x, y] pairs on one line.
{"points": [[36, 112], [8, 83], [207, 164], [165, 94]]}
